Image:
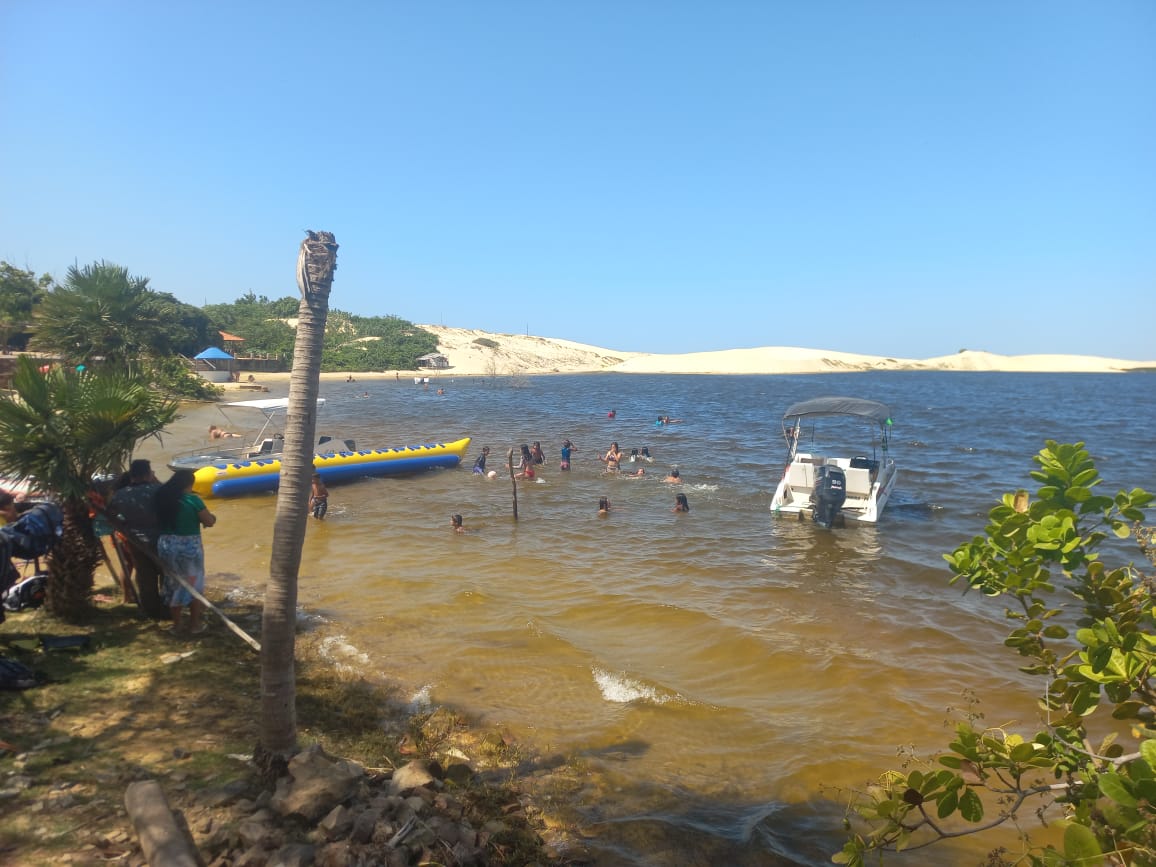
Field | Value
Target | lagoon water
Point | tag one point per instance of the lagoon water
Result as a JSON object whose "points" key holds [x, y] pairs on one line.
{"points": [[723, 673]]}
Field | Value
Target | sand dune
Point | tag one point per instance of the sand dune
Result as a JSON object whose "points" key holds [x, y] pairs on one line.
{"points": [[518, 354]]}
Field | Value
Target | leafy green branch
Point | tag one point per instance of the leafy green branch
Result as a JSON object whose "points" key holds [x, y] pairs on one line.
{"points": [[1099, 677]]}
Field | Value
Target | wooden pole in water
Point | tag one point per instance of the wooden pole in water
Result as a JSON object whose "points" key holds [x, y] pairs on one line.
{"points": [[513, 481]]}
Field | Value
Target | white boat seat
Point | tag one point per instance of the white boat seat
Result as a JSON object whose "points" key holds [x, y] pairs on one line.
{"points": [[858, 482], [801, 477]]}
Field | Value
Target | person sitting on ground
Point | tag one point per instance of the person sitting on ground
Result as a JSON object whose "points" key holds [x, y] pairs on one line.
{"points": [[675, 478], [680, 503], [456, 524], [480, 463], [318, 497], [603, 506]]}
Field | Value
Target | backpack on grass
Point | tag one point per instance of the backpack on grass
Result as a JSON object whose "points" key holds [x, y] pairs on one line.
{"points": [[26, 593], [17, 675]]}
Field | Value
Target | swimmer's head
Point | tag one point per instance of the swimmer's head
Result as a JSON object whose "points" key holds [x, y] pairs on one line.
{"points": [[492, 474]]}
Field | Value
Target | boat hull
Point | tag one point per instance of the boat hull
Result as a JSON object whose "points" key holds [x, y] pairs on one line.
{"points": [[255, 476]]}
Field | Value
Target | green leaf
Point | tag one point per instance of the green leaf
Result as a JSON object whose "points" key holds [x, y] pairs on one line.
{"points": [[1113, 786], [1081, 846], [947, 804], [970, 806], [1148, 751]]}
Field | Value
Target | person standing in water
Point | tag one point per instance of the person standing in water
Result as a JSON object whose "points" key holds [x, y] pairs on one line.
{"points": [[318, 497], [680, 503], [567, 448], [480, 463]]}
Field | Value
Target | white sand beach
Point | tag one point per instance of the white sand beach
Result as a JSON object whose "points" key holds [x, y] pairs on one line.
{"points": [[528, 355]]}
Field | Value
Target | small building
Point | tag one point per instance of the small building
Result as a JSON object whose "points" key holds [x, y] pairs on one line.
{"points": [[433, 361], [214, 364]]}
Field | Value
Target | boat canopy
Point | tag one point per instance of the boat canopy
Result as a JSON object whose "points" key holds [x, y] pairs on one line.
{"points": [[878, 412], [269, 404]]}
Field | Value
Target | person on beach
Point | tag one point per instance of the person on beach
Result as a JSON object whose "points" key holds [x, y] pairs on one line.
{"points": [[480, 463], [318, 497], [603, 506], [567, 448], [456, 524], [612, 458], [537, 454], [8, 513], [180, 516], [218, 433], [680, 503], [675, 478], [134, 505]]}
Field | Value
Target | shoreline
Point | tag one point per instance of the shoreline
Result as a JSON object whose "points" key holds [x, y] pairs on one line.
{"points": [[479, 354]]}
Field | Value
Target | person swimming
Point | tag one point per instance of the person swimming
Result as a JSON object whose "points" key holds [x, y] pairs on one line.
{"points": [[675, 478], [456, 524], [603, 505], [680, 503]]}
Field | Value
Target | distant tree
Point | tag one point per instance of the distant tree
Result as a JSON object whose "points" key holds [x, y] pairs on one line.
{"points": [[101, 311], [1094, 760], [20, 291], [62, 428]]}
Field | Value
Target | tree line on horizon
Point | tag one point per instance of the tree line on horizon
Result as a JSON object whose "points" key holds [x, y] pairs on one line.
{"points": [[100, 313]]}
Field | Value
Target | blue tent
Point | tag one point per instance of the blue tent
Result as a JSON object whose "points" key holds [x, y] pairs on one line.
{"points": [[213, 354]]}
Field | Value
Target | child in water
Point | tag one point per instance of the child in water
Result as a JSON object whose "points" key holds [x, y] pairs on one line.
{"points": [[603, 506], [567, 448], [318, 497], [680, 503], [456, 524]]}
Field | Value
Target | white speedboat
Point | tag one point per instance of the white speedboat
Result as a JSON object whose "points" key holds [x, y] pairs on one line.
{"points": [[833, 488], [267, 442]]}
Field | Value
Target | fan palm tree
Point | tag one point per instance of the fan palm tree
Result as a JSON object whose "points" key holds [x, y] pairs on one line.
{"points": [[316, 263], [62, 428], [101, 311]]}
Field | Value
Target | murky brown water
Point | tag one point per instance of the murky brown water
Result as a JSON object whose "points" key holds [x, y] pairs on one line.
{"points": [[721, 671]]}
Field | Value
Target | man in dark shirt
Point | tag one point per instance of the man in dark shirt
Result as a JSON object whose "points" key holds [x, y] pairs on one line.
{"points": [[134, 506]]}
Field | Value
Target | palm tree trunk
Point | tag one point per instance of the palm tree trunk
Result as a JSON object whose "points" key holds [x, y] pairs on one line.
{"points": [[71, 562], [315, 265]]}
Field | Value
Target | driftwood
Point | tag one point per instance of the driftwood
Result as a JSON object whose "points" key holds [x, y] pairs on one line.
{"points": [[162, 840]]}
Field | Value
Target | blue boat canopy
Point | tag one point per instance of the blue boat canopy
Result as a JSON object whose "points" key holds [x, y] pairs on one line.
{"points": [[878, 412], [213, 354]]}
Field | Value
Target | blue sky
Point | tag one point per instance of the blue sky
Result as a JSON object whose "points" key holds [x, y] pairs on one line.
{"points": [[892, 178]]}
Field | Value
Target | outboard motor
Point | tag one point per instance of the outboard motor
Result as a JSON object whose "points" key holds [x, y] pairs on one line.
{"points": [[829, 495]]}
